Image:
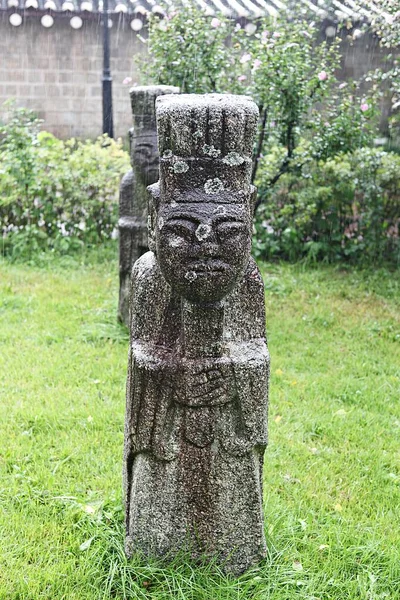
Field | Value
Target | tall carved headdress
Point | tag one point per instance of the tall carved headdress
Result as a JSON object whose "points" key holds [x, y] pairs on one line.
{"points": [[142, 103], [205, 145], [143, 135]]}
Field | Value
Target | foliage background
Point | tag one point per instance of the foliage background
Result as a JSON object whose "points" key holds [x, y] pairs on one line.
{"points": [[55, 195], [325, 193]]}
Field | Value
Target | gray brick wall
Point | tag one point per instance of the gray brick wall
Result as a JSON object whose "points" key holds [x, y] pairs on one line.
{"points": [[57, 72]]}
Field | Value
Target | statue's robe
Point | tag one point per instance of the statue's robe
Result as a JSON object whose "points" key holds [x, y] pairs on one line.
{"points": [[193, 470]]}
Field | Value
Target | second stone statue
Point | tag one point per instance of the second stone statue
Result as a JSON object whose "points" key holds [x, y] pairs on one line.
{"points": [[132, 224], [197, 389]]}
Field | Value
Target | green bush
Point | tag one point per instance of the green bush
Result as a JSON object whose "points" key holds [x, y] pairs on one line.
{"points": [[54, 194], [347, 207], [189, 49], [281, 64]]}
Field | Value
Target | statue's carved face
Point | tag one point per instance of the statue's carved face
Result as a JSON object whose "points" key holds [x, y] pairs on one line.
{"points": [[203, 248], [145, 156]]}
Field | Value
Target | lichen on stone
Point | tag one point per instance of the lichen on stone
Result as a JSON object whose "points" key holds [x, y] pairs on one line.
{"points": [[197, 134], [220, 210], [167, 154], [211, 151], [190, 276], [160, 222], [203, 231], [180, 167], [213, 186], [233, 159]]}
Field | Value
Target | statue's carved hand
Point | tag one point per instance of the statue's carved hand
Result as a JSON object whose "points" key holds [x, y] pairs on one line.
{"points": [[208, 383]]}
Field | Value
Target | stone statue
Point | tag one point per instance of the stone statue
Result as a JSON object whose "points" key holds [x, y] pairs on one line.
{"points": [[133, 193], [197, 389]]}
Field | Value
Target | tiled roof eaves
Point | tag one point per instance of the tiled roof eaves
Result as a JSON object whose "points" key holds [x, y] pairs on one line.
{"points": [[355, 9]]}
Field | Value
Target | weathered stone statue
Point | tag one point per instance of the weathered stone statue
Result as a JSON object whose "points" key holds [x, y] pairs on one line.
{"points": [[196, 415], [133, 193]]}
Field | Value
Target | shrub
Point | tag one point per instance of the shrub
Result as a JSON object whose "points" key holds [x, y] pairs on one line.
{"points": [[54, 194], [346, 207], [188, 49], [281, 65]]}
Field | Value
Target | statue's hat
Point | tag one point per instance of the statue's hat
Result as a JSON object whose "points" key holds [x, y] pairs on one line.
{"points": [[143, 99], [205, 144]]}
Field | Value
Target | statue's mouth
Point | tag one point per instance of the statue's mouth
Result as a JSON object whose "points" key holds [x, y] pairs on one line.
{"points": [[209, 266]]}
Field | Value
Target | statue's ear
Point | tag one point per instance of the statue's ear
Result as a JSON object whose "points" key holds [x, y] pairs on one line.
{"points": [[153, 204]]}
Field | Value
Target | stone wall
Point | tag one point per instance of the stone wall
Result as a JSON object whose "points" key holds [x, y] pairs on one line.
{"points": [[57, 72]]}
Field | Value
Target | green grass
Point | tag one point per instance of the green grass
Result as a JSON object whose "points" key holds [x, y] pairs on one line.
{"points": [[332, 470]]}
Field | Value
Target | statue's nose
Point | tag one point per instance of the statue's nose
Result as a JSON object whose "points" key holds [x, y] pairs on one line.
{"points": [[207, 236]]}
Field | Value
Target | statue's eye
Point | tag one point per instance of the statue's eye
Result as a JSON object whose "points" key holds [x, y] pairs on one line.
{"points": [[182, 229], [231, 228], [144, 151]]}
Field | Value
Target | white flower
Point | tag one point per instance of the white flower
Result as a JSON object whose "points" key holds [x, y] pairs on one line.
{"points": [[215, 23]]}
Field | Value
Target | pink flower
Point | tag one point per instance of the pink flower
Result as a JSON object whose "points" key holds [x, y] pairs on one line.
{"points": [[364, 107], [127, 80], [215, 23], [245, 58], [276, 34], [242, 78], [342, 85], [322, 76], [265, 34], [256, 64]]}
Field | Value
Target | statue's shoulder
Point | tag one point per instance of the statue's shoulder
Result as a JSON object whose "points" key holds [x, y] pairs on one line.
{"points": [[145, 267], [150, 294], [128, 178]]}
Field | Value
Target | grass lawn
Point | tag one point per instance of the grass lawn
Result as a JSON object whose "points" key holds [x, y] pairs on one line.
{"points": [[332, 470]]}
